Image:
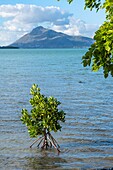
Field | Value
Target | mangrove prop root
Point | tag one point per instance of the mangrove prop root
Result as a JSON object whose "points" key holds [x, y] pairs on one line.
{"points": [[35, 142], [47, 141], [40, 142]]}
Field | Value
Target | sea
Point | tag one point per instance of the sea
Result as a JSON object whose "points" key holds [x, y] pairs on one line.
{"points": [[86, 137]]}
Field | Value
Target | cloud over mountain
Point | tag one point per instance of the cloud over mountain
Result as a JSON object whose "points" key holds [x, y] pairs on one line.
{"points": [[20, 18]]}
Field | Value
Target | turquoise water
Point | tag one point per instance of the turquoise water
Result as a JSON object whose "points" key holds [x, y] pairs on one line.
{"points": [[86, 138]]}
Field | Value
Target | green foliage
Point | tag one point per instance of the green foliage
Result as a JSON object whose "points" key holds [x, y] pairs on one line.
{"points": [[108, 6], [93, 4], [89, 4], [69, 1], [100, 54], [44, 114]]}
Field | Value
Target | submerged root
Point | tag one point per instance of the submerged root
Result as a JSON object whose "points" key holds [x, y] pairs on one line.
{"points": [[47, 141]]}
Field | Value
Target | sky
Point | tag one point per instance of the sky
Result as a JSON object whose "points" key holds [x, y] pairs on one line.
{"points": [[19, 17]]}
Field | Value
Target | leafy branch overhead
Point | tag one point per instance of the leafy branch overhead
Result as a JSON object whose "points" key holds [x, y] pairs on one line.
{"points": [[100, 54]]}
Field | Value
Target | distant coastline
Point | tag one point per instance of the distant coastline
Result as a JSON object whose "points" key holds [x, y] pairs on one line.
{"points": [[8, 47]]}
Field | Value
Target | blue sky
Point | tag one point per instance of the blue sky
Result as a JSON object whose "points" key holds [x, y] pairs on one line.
{"points": [[18, 17]]}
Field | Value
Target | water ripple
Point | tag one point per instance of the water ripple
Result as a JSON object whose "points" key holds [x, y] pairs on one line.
{"points": [[86, 138]]}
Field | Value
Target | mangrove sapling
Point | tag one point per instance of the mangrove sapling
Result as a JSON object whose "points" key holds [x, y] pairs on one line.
{"points": [[43, 118]]}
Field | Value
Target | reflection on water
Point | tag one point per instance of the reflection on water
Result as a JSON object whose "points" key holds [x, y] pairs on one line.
{"points": [[45, 162], [86, 138], [40, 161]]}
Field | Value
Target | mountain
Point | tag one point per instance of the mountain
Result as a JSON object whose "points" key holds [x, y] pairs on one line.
{"points": [[41, 37]]}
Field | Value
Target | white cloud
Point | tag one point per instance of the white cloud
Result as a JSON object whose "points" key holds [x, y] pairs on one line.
{"points": [[7, 11], [77, 27], [7, 37], [31, 14], [20, 18]]}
